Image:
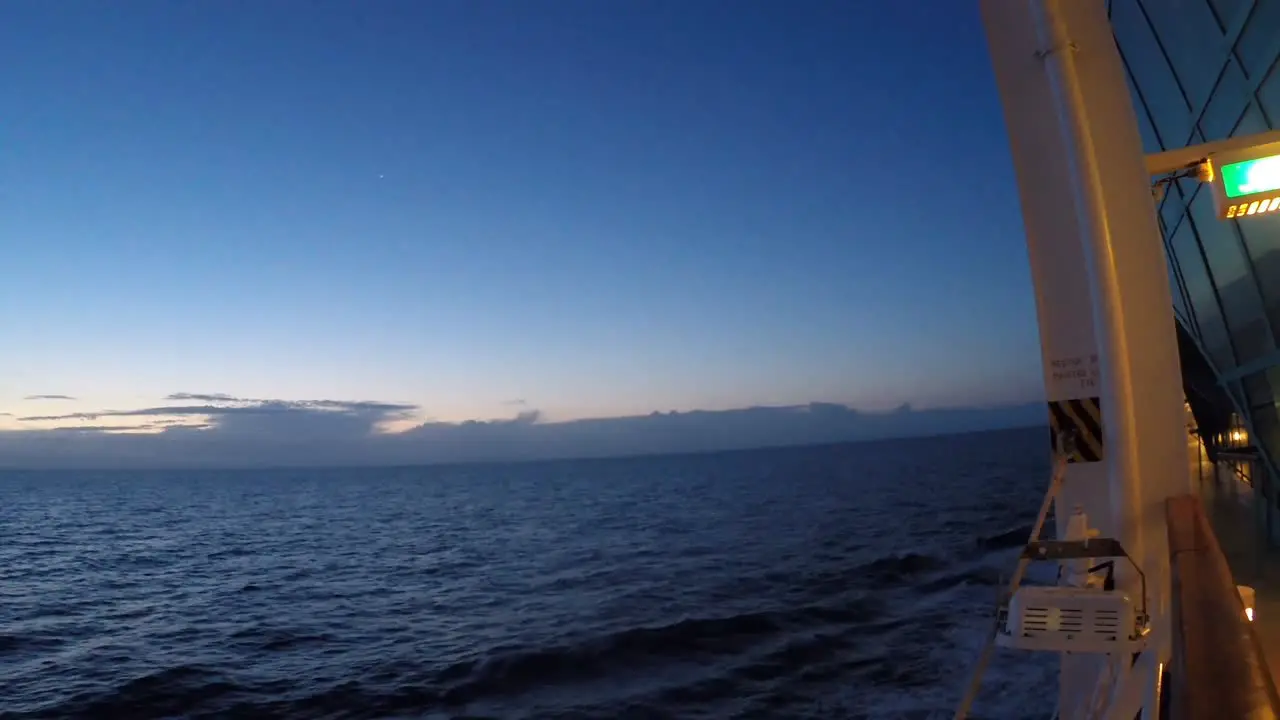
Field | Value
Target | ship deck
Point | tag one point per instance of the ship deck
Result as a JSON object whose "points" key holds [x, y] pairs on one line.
{"points": [[1229, 503]]}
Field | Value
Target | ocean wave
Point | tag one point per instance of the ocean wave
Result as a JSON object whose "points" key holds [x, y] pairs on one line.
{"points": [[30, 642], [987, 576], [178, 691], [794, 639], [812, 643], [1011, 538], [899, 567], [641, 589], [690, 641]]}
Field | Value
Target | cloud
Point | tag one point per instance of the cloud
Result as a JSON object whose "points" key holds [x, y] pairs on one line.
{"points": [[374, 411], [48, 397], [52, 418], [107, 428], [517, 401], [214, 429], [202, 397]]}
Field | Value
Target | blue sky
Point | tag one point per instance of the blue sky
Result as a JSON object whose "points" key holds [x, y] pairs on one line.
{"points": [[595, 208]]}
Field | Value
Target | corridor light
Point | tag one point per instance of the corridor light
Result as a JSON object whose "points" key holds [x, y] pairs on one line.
{"points": [[1246, 182], [1248, 598]]}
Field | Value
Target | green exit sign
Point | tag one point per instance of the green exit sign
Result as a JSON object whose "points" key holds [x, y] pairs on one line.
{"points": [[1247, 182], [1251, 176]]}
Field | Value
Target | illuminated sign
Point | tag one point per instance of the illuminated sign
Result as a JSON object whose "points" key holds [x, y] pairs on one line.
{"points": [[1251, 176], [1247, 182]]}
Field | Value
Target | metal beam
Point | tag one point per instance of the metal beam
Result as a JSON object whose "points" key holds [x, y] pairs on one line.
{"points": [[1265, 362], [1073, 549], [1163, 163]]}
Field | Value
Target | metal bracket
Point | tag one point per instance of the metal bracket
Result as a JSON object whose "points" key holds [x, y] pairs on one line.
{"points": [[1073, 549], [1170, 161]]}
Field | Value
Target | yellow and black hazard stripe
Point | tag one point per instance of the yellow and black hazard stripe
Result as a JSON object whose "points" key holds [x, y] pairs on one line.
{"points": [[1081, 421]]}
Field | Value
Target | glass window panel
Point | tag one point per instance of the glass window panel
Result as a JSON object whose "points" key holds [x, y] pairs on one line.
{"points": [[1252, 122], [1229, 269], [1150, 141], [1236, 391], [1175, 280], [1260, 40], [1189, 185], [1266, 430], [1179, 300], [1172, 208], [1228, 10], [1227, 104], [1262, 239], [1269, 96], [1273, 381], [1179, 195], [1257, 390], [1152, 75], [1186, 187], [1226, 262], [1213, 332], [1265, 416], [1191, 36]]}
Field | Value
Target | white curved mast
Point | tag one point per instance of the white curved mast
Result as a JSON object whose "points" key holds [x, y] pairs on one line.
{"points": [[1102, 291]]}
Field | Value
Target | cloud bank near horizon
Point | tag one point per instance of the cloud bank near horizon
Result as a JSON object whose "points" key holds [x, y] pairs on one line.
{"points": [[221, 430], [226, 413]]}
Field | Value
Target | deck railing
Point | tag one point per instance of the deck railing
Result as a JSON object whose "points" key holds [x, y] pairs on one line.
{"points": [[1217, 671]]}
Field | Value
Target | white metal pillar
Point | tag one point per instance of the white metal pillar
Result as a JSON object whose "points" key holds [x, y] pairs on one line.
{"points": [[1132, 305], [1099, 270], [1059, 268]]}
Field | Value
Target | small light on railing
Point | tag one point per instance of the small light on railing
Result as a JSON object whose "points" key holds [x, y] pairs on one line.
{"points": [[1247, 596]]}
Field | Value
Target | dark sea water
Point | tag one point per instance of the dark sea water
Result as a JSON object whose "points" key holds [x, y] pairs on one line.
{"points": [[851, 581]]}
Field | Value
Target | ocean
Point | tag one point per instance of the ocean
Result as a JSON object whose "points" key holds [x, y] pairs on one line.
{"points": [[843, 581]]}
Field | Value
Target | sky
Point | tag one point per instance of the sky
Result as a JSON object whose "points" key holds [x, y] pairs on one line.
{"points": [[480, 209]]}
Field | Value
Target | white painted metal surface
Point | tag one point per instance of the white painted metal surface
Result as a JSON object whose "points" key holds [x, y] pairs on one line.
{"points": [[1101, 283], [1058, 270], [1070, 619], [1132, 305], [1163, 163]]}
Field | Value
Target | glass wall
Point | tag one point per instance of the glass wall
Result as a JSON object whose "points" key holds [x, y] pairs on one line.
{"points": [[1204, 70]]}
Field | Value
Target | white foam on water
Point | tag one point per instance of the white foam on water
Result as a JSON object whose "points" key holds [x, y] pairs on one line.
{"points": [[1017, 685]]}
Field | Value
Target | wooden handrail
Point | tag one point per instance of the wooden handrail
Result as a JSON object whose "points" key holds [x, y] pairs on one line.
{"points": [[1218, 671]]}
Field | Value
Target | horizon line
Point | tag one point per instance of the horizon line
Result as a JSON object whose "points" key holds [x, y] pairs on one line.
{"points": [[530, 461]]}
